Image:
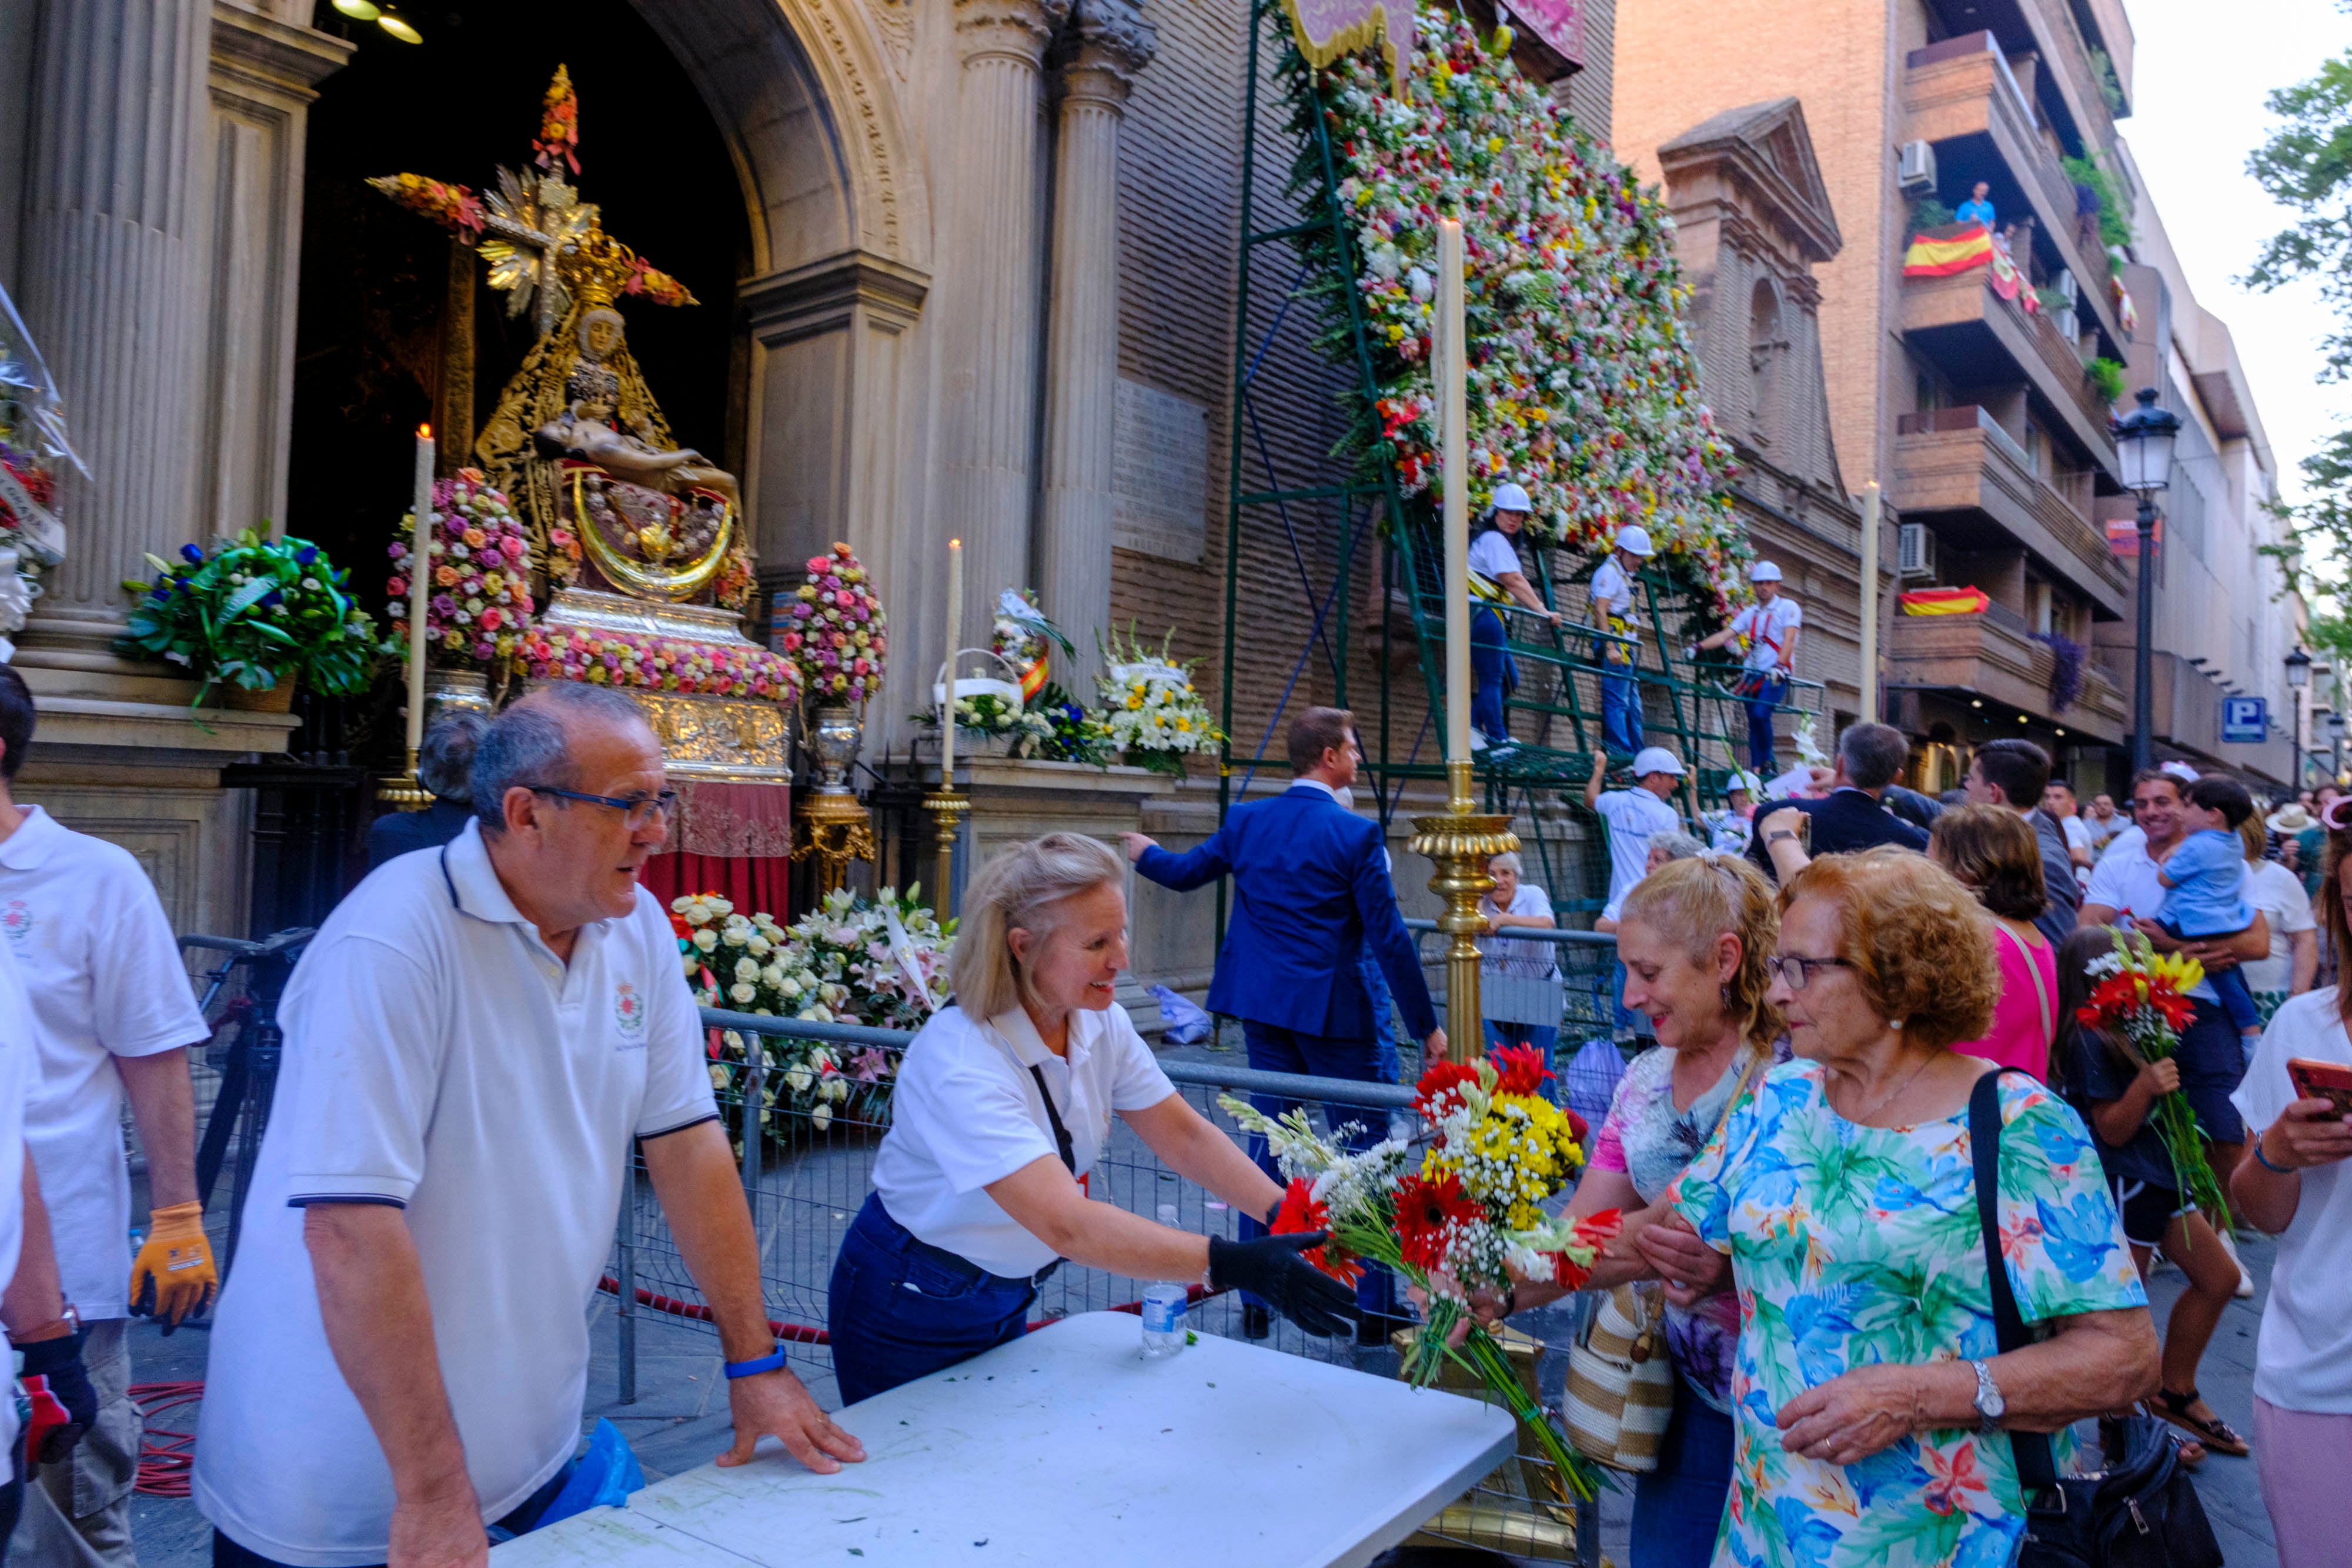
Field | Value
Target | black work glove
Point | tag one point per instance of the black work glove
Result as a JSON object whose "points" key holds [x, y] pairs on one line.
{"points": [[64, 1404], [1271, 1269]]}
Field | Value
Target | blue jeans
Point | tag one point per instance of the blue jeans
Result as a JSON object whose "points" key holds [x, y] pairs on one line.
{"points": [[228, 1553], [898, 1311], [1621, 714], [1678, 1507], [1272, 1049], [1761, 705], [2213, 1059], [1534, 1034], [1492, 672], [2230, 985], [1383, 1013]]}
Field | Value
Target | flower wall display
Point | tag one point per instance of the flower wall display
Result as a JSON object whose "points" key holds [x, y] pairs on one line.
{"points": [[251, 611], [479, 606], [881, 962], [1154, 717], [657, 664], [1583, 386], [836, 630]]}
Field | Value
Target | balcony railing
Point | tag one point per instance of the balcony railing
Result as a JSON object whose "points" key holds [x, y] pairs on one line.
{"points": [[1934, 447], [1994, 655], [1938, 304]]}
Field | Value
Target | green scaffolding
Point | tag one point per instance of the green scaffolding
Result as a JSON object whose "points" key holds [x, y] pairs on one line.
{"points": [[1688, 702]]}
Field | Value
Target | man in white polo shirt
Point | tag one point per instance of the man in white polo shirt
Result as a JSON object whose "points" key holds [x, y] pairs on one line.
{"points": [[113, 1018], [471, 1044]]}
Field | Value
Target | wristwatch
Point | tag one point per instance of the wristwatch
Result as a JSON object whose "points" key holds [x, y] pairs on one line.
{"points": [[1989, 1401], [1776, 834]]}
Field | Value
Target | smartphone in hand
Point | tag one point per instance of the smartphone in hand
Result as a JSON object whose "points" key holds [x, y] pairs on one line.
{"points": [[2328, 1080]]}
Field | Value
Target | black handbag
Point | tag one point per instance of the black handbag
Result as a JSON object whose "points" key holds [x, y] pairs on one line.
{"points": [[2142, 1510]]}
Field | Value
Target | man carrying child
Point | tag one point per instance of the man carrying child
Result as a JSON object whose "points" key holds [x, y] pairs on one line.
{"points": [[2204, 881]]}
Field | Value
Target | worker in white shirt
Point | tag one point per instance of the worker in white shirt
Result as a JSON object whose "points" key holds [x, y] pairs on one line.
{"points": [[1730, 829], [1767, 628], [473, 1043], [113, 1018], [1611, 597], [1003, 1105], [1497, 579], [44, 1331]]}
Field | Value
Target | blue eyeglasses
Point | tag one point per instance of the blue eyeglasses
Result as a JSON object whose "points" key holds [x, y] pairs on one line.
{"points": [[638, 810]]}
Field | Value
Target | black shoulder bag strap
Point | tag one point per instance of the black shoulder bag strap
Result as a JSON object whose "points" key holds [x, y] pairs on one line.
{"points": [[1062, 1145], [2037, 1470]]}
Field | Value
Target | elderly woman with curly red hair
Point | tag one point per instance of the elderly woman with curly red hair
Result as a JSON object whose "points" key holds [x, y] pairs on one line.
{"points": [[1870, 1395]]}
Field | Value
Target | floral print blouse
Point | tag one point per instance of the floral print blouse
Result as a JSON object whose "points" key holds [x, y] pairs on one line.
{"points": [[1854, 1244]]}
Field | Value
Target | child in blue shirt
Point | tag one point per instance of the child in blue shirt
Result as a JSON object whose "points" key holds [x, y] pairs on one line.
{"points": [[2205, 875]]}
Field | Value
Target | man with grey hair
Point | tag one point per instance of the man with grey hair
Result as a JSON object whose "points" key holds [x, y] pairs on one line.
{"points": [[1854, 814], [444, 766], [473, 1040]]}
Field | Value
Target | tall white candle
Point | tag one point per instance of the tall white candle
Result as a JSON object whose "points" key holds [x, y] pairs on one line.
{"points": [[1870, 505], [420, 579], [1450, 366], [955, 635]]}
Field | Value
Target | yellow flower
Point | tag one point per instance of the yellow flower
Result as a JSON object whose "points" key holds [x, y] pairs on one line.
{"points": [[2185, 974]]}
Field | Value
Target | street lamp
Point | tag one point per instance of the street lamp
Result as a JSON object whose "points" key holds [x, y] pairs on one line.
{"points": [[2334, 735], [2144, 440], [2298, 680]]}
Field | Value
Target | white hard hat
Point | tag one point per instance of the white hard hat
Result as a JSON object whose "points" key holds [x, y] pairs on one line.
{"points": [[1509, 498], [1764, 571], [1655, 760], [1635, 540], [1743, 780], [2181, 770]]}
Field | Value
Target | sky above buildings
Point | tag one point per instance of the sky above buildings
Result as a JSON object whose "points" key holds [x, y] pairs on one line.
{"points": [[2201, 74]]}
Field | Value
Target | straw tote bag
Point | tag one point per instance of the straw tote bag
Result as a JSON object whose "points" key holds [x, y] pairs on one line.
{"points": [[1621, 1380]]}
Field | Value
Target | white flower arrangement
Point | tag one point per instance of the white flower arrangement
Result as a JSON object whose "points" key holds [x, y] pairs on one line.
{"points": [[1154, 715]]}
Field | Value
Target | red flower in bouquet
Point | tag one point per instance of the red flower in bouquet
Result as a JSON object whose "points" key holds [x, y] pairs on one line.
{"points": [[1441, 1084], [1518, 1069], [1300, 1213], [1594, 1230], [1425, 1209]]}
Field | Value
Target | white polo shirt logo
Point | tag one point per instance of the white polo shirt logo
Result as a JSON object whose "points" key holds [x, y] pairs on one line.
{"points": [[15, 921], [630, 1014]]}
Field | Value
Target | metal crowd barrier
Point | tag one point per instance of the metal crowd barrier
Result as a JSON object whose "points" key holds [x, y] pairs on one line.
{"points": [[1577, 998]]}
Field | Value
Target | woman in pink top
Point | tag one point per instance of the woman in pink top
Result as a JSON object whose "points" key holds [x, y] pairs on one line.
{"points": [[1992, 850]]}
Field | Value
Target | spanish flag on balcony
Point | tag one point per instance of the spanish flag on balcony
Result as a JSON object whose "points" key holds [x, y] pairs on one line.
{"points": [[1948, 248], [1946, 602]]}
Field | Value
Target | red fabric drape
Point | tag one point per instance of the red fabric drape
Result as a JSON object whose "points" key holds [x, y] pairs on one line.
{"points": [[754, 885]]}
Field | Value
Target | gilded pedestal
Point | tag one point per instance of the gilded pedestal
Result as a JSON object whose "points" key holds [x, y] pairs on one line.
{"points": [[1461, 842]]}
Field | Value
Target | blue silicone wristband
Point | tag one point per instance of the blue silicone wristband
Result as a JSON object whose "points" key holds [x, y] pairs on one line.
{"points": [[754, 1368]]}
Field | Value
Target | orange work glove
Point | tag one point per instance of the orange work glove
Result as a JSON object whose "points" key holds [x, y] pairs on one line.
{"points": [[174, 1277]]}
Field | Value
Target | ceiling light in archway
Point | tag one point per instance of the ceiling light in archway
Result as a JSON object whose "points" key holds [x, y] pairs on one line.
{"points": [[393, 22], [359, 10]]}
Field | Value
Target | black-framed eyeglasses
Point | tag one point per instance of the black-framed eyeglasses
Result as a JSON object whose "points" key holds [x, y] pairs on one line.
{"points": [[636, 810], [1795, 971]]}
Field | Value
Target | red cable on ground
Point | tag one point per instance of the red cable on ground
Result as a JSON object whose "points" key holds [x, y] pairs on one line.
{"points": [[165, 1455]]}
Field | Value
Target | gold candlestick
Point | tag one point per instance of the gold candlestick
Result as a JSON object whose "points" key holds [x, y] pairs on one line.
{"points": [[403, 791], [948, 804], [1461, 842]]}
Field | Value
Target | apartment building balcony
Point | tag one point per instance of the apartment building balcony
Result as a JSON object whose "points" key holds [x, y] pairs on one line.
{"points": [[1990, 656], [1961, 97], [1979, 339], [1959, 470]]}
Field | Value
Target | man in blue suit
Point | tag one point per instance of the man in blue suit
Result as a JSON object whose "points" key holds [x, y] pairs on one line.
{"points": [[1311, 890]]}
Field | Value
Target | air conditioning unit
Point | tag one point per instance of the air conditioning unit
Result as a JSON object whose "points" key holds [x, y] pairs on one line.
{"points": [[1915, 171], [1915, 556]]}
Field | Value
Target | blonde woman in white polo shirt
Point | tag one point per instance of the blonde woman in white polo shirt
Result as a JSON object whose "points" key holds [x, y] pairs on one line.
{"points": [[1003, 1104]]}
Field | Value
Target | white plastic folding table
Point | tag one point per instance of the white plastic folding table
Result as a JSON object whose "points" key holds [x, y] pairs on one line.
{"points": [[1069, 1449]]}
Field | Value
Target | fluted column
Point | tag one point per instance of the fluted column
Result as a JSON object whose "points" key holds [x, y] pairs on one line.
{"points": [[992, 373], [1074, 520], [111, 238]]}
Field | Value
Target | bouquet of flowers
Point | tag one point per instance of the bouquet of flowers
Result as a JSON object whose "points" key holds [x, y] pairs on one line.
{"points": [[478, 604], [252, 610], [880, 962], [33, 442], [1154, 715], [1075, 735], [990, 715], [1583, 386], [837, 634], [2141, 998], [1024, 639], [1466, 1215]]}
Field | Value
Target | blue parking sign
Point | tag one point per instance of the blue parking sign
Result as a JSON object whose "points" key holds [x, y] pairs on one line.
{"points": [[2245, 721]]}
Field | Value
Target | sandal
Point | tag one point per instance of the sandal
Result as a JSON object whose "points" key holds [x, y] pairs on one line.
{"points": [[2214, 1434]]}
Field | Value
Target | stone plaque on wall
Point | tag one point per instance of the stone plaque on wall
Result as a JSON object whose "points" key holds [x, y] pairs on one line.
{"points": [[1162, 473]]}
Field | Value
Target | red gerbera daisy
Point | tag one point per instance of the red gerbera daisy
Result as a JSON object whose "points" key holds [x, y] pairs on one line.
{"points": [[1518, 1069], [1300, 1213], [1440, 1088], [1593, 1230], [1423, 1211]]}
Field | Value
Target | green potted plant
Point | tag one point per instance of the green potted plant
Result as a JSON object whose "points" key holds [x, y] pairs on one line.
{"points": [[254, 617]]}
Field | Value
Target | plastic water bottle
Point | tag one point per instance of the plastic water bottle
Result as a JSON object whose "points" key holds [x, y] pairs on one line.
{"points": [[1163, 1307]]}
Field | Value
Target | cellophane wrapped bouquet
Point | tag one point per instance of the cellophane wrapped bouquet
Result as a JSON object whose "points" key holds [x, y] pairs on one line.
{"points": [[2142, 997], [1458, 1208]]}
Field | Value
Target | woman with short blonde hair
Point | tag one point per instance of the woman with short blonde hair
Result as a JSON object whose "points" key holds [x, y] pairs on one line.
{"points": [[1001, 1106], [1841, 1201]]}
